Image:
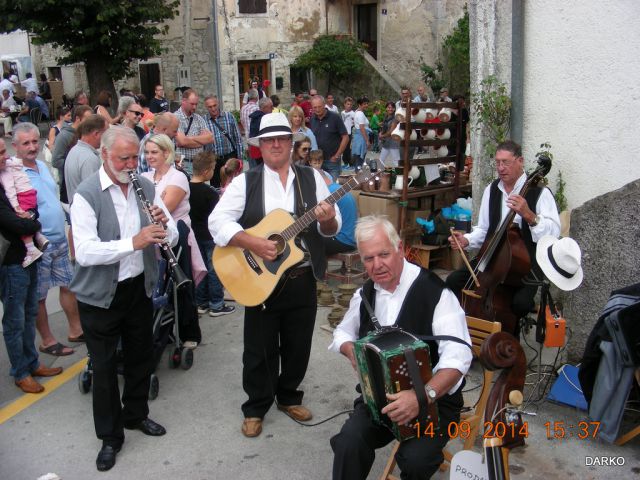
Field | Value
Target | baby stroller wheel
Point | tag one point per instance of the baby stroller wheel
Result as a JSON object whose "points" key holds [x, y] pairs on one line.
{"points": [[175, 358], [154, 387], [186, 358], [84, 381]]}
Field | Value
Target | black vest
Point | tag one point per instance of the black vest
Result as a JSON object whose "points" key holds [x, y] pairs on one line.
{"points": [[415, 316], [254, 210], [495, 213], [416, 313]]}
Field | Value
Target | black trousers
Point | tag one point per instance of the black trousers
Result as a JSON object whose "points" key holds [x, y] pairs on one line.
{"points": [[418, 458], [220, 162], [130, 319], [277, 345], [521, 303], [333, 246]]}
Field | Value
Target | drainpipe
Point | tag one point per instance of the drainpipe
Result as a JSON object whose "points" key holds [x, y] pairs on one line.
{"points": [[216, 51], [517, 69]]}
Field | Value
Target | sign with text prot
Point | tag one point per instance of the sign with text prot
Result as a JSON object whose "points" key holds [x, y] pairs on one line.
{"points": [[468, 465]]}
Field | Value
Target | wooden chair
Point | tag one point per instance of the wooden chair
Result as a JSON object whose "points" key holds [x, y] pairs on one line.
{"points": [[478, 331]]}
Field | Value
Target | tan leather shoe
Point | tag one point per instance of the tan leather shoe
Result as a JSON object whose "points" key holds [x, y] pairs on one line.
{"points": [[297, 412], [29, 385], [252, 426], [43, 371]]}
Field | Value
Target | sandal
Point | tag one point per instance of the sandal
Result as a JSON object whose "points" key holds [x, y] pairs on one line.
{"points": [[78, 339], [57, 350]]}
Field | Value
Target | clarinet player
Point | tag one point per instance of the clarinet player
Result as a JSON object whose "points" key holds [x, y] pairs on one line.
{"points": [[116, 270]]}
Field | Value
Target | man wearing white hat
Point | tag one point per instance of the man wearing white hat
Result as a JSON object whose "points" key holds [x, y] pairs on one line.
{"points": [[277, 333], [536, 216]]}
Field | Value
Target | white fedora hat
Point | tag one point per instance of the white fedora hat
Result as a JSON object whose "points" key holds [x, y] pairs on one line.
{"points": [[274, 125], [560, 260]]}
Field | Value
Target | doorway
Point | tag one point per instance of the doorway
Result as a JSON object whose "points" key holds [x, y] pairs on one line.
{"points": [[149, 78], [367, 27], [249, 70]]}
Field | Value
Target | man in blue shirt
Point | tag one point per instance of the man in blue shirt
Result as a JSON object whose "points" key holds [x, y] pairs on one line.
{"points": [[345, 239], [54, 268]]}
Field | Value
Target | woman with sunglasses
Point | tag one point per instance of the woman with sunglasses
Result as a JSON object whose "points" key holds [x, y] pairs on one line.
{"points": [[131, 113], [296, 120], [301, 150]]}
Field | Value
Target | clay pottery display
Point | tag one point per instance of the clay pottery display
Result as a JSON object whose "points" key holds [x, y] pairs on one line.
{"points": [[398, 134], [335, 316], [385, 182], [443, 151], [443, 134], [418, 114], [428, 133]]}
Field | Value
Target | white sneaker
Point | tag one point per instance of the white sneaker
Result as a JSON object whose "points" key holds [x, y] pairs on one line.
{"points": [[202, 310], [190, 344], [32, 256], [41, 241], [225, 310]]}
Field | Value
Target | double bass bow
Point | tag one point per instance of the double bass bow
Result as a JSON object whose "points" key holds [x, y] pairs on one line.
{"points": [[504, 428], [502, 263]]}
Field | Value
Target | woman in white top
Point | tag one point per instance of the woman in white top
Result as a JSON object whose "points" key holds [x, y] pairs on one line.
{"points": [[296, 120], [360, 140], [173, 188], [329, 104], [347, 117]]}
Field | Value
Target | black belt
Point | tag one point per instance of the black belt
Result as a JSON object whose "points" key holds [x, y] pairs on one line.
{"points": [[129, 281], [298, 271]]}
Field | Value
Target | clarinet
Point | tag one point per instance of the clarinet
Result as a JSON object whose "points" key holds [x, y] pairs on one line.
{"points": [[177, 274]]}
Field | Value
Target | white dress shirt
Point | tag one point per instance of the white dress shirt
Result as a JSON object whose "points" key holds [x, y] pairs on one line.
{"points": [[545, 207], [448, 319], [90, 250], [223, 221]]}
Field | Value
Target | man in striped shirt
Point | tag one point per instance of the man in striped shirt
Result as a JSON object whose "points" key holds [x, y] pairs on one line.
{"points": [[192, 135], [227, 142]]}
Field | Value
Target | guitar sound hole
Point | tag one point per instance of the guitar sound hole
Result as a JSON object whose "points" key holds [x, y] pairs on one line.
{"points": [[280, 243]]}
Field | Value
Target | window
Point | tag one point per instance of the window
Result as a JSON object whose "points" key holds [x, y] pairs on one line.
{"points": [[299, 79], [252, 6]]}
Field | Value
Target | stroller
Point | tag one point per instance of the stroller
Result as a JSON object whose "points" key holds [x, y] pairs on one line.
{"points": [[165, 331]]}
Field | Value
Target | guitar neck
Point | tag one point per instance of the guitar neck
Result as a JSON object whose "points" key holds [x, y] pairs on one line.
{"points": [[305, 220]]}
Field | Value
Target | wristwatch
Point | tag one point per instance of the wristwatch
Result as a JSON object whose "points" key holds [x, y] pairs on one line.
{"points": [[431, 393], [536, 221]]}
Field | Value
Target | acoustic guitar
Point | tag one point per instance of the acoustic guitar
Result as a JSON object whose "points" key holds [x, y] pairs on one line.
{"points": [[251, 279]]}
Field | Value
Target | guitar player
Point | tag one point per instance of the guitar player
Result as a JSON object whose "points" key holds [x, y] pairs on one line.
{"points": [[277, 334]]}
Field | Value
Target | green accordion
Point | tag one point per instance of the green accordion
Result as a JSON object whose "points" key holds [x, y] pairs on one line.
{"points": [[382, 359]]}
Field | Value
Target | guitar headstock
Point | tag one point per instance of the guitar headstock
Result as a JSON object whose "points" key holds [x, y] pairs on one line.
{"points": [[364, 175]]}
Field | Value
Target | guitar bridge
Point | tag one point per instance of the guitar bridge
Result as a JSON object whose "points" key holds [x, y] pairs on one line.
{"points": [[252, 262]]}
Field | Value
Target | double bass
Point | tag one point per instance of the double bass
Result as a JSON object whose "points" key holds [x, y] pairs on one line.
{"points": [[502, 263], [502, 351]]}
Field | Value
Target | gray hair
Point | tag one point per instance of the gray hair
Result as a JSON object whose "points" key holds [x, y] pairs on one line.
{"points": [[24, 127], [319, 97], [124, 103], [264, 102], [252, 94], [165, 144], [118, 131], [368, 226]]}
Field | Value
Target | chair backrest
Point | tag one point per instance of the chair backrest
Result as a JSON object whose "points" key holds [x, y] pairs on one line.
{"points": [[479, 330], [35, 115]]}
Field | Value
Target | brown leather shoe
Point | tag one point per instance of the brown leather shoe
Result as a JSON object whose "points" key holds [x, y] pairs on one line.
{"points": [[29, 385], [43, 371], [297, 412], [252, 426]]}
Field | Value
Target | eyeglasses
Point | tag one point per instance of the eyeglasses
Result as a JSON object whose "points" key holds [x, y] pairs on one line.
{"points": [[279, 138], [139, 114], [305, 149]]}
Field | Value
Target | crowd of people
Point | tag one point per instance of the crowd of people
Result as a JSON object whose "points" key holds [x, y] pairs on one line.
{"points": [[92, 236]]}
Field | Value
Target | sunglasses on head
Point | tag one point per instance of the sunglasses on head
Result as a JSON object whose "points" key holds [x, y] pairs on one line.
{"points": [[136, 112]]}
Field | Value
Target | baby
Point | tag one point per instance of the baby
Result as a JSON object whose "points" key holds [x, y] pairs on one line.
{"points": [[23, 197]]}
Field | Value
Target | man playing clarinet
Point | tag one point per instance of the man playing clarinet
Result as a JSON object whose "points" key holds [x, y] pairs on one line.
{"points": [[116, 271]]}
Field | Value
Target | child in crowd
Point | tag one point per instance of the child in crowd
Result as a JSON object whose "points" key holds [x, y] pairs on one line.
{"points": [[203, 199], [316, 157], [23, 197], [347, 117], [374, 124], [231, 169]]}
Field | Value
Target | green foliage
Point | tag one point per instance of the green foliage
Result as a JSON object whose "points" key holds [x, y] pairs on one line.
{"points": [[453, 69], [561, 199], [236, 115], [333, 56], [492, 108], [381, 104], [104, 34]]}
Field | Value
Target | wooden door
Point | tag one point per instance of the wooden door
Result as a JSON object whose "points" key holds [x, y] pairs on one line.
{"points": [[367, 27], [149, 78], [249, 70]]}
